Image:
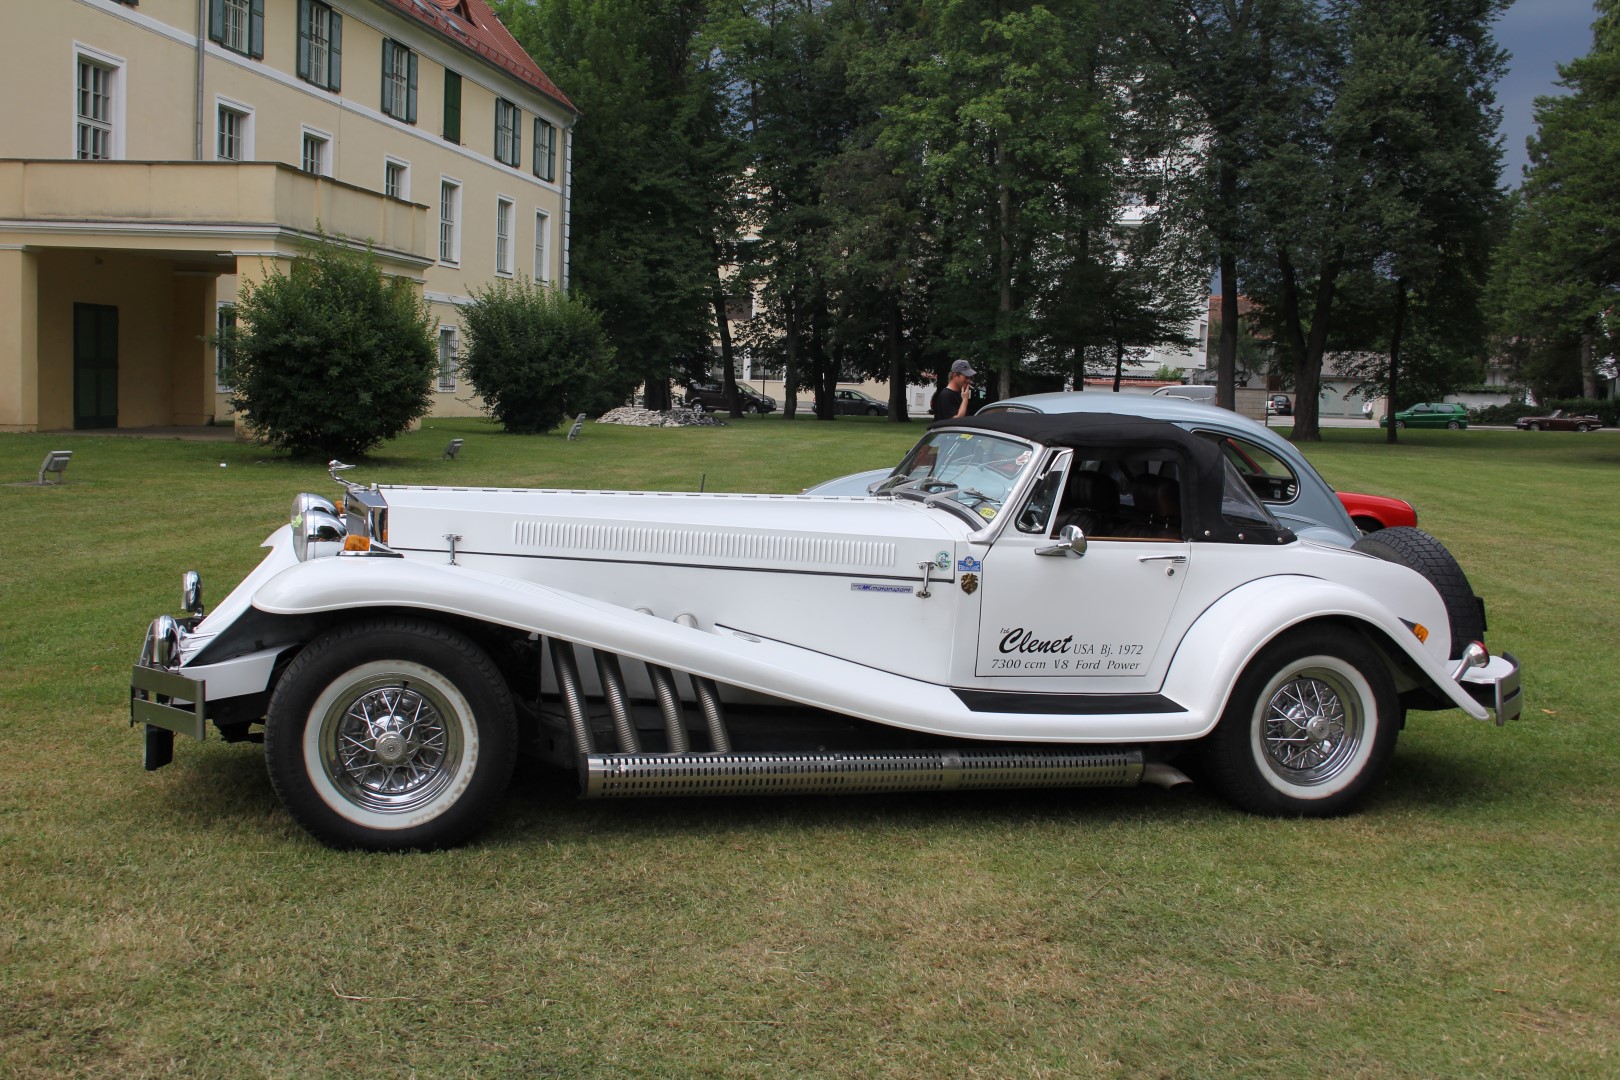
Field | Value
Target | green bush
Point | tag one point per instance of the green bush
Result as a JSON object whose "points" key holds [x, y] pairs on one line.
{"points": [[331, 358], [537, 356]]}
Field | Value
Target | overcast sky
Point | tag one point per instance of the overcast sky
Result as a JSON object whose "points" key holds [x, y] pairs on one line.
{"points": [[1540, 34]]}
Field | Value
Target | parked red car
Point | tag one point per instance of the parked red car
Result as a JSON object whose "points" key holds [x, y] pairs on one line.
{"points": [[1558, 420], [1374, 512]]}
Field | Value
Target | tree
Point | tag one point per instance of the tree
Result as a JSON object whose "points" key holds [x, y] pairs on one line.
{"points": [[1555, 282], [331, 357], [648, 162], [537, 356]]}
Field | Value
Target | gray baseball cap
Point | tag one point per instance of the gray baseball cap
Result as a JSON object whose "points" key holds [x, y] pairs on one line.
{"points": [[962, 367]]}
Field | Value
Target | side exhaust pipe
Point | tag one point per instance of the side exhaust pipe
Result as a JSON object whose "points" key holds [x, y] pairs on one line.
{"points": [[609, 776]]}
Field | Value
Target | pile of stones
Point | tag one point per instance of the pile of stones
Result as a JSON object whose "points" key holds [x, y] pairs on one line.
{"points": [[637, 417]]}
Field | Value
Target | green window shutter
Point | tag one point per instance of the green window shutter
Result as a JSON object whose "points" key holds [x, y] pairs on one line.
{"points": [[538, 142], [256, 30], [335, 60], [517, 137], [410, 92], [303, 37], [216, 20], [452, 107], [387, 83]]}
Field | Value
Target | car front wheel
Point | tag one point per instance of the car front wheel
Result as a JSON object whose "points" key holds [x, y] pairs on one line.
{"points": [[1400, 423], [1532, 427], [1453, 425], [1309, 728], [390, 734]]}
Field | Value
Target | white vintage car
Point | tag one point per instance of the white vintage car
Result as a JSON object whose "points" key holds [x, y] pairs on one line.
{"points": [[1032, 601]]}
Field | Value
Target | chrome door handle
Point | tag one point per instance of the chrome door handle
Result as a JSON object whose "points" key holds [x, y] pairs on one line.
{"points": [[1162, 558]]}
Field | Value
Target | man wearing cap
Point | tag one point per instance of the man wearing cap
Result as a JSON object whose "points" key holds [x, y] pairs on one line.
{"points": [[951, 400]]}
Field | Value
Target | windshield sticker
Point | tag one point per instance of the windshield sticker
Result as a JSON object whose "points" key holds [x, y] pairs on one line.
{"points": [[987, 512], [1022, 459], [867, 586], [968, 564]]}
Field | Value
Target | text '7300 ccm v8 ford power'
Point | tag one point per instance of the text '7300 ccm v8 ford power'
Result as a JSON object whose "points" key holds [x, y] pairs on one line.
{"points": [[1031, 600]]}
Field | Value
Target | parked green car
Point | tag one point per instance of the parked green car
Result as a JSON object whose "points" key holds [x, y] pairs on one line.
{"points": [[1444, 414]]}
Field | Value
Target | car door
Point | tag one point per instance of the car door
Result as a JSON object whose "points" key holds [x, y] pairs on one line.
{"points": [[1056, 622]]}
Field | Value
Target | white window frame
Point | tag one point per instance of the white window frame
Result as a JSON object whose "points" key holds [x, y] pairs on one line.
{"points": [[308, 134], [223, 105], [447, 373], [542, 247], [504, 205], [508, 136], [449, 221], [113, 123], [243, 24], [220, 310], [404, 167]]}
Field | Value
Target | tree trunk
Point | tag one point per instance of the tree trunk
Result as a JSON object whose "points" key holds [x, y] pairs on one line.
{"points": [[894, 346], [1588, 364], [728, 365], [1395, 355], [1004, 274], [1226, 360], [790, 355]]}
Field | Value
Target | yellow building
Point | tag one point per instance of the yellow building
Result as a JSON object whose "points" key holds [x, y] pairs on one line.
{"points": [[155, 153]]}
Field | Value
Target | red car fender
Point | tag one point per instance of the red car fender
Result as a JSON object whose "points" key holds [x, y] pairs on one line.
{"points": [[1374, 512]]}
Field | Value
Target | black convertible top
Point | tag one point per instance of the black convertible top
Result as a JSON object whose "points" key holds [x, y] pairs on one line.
{"points": [[1201, 459]]}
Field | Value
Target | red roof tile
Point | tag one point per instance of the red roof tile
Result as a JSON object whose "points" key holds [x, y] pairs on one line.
{"points": [[471, 25]]}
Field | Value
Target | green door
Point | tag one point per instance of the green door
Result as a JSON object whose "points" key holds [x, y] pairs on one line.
{"points": [[95, 366]]}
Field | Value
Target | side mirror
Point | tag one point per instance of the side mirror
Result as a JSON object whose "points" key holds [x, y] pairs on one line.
{"points": [[1071, 541]]}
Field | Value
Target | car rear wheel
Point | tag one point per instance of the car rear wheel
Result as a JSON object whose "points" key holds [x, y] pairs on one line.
{"points": [[390, 734], [1429, 557], [1309, 728]]}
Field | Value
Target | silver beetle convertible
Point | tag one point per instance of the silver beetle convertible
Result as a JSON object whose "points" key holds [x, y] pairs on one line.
{"points": [[1031, 601]]}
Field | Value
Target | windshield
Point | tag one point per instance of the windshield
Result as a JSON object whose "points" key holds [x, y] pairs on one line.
{"points": [[971, 470]]}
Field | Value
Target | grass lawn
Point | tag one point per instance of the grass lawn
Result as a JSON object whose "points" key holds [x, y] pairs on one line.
{"points": [[178, 922]]}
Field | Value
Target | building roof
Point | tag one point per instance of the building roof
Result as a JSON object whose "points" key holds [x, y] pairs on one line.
{"points": [[471, 25]]}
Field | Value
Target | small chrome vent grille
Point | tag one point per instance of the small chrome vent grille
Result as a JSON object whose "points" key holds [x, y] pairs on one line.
{"points": [[707, 544]]}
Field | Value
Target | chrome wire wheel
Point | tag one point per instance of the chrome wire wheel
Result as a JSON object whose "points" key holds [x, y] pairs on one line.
{"points": [[1312, 725], [1309, 727], [390, 742]]}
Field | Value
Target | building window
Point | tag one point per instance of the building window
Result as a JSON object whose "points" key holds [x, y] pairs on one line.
{"points": [[399, 81], [317, 154], [396, 179], [452, 107], [320, 44], [94, 129], [508, 139], [503, 237], [233, 135], [447, 359], [224, 361], [238, 25], [545, 150], [449, 216], [542, 240]]}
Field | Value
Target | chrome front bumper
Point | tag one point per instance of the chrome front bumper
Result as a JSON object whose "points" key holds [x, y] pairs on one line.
{"points": [[1496, 686], [159, 696]]}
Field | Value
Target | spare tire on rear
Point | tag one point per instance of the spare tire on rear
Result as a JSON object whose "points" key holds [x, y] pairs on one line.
{"points": [[1429, 557]]}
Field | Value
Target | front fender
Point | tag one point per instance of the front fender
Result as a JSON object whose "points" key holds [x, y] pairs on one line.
{"points": [[1231, 631]]}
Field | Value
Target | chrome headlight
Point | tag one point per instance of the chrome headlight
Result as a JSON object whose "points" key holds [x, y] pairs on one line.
{"points": [[163, 642], [314, 521]]}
